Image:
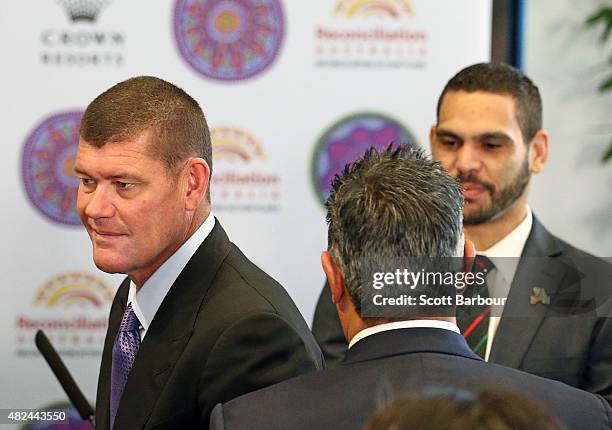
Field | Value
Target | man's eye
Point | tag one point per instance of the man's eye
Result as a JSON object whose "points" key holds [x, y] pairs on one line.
{"points": [[87, 182], [488, 145], [449, 143], [123, 185]]}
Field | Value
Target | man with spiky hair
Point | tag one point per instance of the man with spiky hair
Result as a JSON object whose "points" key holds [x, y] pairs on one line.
{"points": [[385, 209], [557, 319], [195, 322]]}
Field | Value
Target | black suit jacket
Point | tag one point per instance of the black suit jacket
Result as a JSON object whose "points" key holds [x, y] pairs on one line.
{"points": [[225, 328], [387, 364], [569, 340]]}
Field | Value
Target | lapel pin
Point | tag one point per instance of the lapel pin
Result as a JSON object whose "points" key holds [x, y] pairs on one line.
{"points": [[539, 296]]}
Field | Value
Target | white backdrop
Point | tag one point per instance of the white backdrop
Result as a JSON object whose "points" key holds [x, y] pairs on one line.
{"points": [[388, 58], [565, 59]]}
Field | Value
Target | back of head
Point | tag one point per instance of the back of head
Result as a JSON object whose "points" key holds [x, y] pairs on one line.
{"points": [[175, 121], [461, 410], [501, 79], [390, 206]]}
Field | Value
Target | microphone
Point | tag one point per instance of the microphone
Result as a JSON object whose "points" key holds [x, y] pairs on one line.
{"points": [[64, 377]]}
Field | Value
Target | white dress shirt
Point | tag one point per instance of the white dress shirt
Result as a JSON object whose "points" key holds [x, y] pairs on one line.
{"points": [[147, 300], [403, 324], [500, 278]]}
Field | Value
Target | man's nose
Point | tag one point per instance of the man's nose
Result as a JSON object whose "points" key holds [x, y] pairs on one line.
{"points": [[100, 204], [468, 159]]}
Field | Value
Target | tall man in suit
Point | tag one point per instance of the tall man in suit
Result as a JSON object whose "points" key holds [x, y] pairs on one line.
{"points": [[384, 209], [195, 322], [489, 136]]}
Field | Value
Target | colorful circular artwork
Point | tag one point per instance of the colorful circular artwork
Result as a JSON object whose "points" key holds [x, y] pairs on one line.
{"points": [[229, 39], [47, 167], [347, 140]]}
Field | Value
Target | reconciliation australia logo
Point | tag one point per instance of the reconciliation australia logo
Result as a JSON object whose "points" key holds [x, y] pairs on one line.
{"points": [[242, 179], [83, 42], [72, 309], [347, 140], [229, 40], [371, 34]]}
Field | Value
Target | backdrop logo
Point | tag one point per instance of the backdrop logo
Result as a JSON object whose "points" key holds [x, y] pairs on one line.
{"points": [[84, 42], [371, 34], [386, 8], [242, 179], [83, 10], [74, 289], [229, 39], [347, 140], [72, 308], [47, 167]]}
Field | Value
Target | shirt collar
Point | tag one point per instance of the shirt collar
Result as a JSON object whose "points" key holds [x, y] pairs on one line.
{"points": [[511, 246], [403, 324], [147, 300]]}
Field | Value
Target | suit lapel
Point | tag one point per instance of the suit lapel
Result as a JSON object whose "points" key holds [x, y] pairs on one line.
{"points": [[170, 331], [539, 266]]}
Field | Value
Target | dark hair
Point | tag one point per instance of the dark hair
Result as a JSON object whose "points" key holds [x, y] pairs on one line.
{"points": [[459, 410], [389, 206], [502, 79], [145, 103]]}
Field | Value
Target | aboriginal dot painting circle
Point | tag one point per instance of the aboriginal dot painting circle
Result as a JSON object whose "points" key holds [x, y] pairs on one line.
{"points": [[347, 140], [47, 167], [229, 39]]}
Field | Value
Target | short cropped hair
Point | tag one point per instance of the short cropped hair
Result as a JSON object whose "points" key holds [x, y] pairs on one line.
{"points": [[457, 409], [148, 104], [501, 79], [390, 204]]}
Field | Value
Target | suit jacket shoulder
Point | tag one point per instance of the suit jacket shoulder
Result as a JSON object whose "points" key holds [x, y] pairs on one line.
{"points": [[387, 364]]}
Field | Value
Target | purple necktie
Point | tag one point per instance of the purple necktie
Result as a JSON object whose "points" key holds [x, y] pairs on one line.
{"points": [[125, 349]]}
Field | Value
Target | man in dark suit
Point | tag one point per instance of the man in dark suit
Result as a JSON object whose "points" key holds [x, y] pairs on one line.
{"points": [[195, 322], [383, 209], [556, 320]]}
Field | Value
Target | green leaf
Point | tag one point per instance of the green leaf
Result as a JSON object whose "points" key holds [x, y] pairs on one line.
{"points": [[604, 14], [605, 85], [608, 154]]}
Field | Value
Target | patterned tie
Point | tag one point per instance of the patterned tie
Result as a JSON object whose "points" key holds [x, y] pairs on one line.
{"points": [[473, 321], [125, 349]]}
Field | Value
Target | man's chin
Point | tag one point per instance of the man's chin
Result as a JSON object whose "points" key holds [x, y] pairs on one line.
{"points": [[108, 266], [474, 214]]}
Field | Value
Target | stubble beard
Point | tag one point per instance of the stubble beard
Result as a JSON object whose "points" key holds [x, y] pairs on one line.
{"points": [[501, 199]]}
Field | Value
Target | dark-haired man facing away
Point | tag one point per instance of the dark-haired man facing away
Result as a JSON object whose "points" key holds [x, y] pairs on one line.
{"points": [[195, 322]]}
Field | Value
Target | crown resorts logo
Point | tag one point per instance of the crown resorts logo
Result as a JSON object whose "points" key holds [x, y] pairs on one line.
{"points": [[241, 177], [83, 10], [347, 140], [47, 167], [229, 39], [84, 43], [72, 308], [387, 8], [372, 34]]}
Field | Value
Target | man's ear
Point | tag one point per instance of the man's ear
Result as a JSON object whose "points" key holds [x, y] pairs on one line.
{"points": [[538, 151], [198, 180], [469, 252], [334, 277], [432, 135]]}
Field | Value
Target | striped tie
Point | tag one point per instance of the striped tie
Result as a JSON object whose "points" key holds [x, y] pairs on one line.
{"points": [[473, 321]]}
